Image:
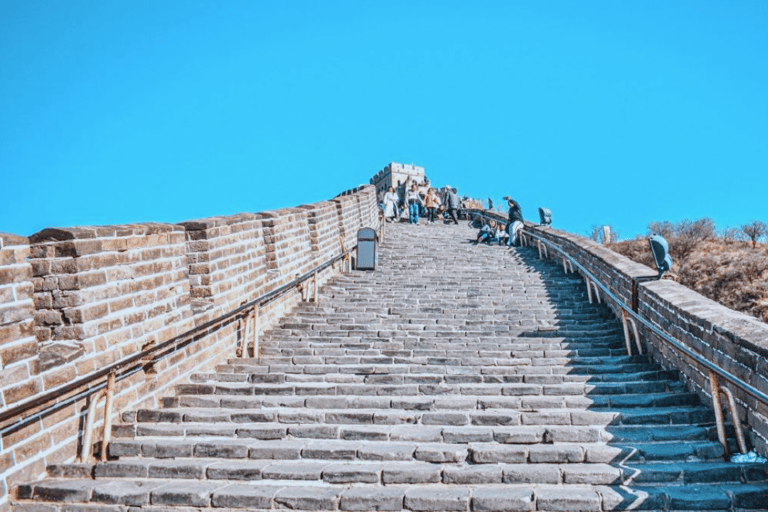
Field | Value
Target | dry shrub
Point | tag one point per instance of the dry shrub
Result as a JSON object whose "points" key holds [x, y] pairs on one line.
{"points": [[727, 271]]}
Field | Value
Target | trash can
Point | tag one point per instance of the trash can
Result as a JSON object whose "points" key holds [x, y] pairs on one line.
{"points": [[366, 249]]}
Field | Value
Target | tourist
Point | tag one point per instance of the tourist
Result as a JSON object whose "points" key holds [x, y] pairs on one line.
{"points": [[452, 202], [487, 232], [390, 204], [515, 221], [432, 201], [414, 201], [515, 212], [501, 234]]}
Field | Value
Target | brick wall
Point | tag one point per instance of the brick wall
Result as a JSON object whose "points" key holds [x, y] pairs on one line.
{"points": [[18, 347], [74, 300], [736, 342]]}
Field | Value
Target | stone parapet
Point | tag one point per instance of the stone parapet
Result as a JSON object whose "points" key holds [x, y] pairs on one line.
{"points": [[349, 219], [736, 342], [324, 229], [75, 300], [18, 347], [227, 260]]}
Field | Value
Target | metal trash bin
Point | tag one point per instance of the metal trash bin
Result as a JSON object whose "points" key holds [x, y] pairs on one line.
{"points": [[366, 249]]}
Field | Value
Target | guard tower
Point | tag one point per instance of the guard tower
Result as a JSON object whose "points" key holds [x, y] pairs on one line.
{"points": [[395, 173]]}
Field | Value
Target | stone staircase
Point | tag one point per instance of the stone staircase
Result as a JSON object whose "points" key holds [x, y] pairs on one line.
{"points": [[455, 377]]}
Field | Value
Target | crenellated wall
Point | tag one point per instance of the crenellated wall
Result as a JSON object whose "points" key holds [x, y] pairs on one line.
{"points": [[74, 300], [734, 341]]}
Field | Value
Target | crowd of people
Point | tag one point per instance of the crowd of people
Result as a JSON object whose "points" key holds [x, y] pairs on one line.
{"points": [[492, 231], [422, 200]]}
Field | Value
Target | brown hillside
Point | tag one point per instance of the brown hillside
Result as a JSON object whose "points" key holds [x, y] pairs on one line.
{"points": [[730, 272]]}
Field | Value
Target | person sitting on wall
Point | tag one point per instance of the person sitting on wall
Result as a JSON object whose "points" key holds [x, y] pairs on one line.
{"points": [[502, 236], [487, 232]]}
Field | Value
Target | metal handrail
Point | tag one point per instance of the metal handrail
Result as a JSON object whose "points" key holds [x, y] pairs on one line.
{"points": [[138, 359], [745, 386]]}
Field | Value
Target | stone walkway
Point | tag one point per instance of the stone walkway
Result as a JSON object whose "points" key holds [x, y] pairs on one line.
{"points": [[455, 377]]}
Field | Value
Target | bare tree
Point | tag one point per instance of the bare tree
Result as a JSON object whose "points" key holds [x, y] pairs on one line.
{"points": [[598, 234], [684, 236], [753, 267], [664, 228], [702, 229], [755, 230], [732, 234]]}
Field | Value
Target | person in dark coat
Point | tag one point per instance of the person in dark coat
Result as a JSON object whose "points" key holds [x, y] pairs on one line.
{"points": [[453, 203], [515, 221], [515, 212]]}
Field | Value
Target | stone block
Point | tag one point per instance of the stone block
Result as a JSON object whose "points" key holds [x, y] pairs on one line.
{"points": [[490, 454], [410, 473], [437, 499], [183, 494], [569, 500], [307, 498], [244, 496], [531, 474], [368, 499], [502, 500], [471, 475], [294, 471], [352, 473]]}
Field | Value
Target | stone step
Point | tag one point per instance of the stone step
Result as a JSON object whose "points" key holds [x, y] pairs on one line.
{"points": [[114, 495], [521, 434], [525, 399], [405, 376], [593, 452], [615, 364], [342, 410], [378, 385], [613, 346], [448, 465]]}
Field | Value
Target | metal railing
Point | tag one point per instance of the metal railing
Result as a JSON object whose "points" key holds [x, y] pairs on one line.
{"points": [[631, 316], [94, 384]]}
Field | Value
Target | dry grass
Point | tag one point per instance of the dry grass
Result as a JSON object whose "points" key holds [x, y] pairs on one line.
{"points": [[730, 272]]}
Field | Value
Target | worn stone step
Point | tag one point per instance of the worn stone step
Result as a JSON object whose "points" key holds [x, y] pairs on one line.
{"points": [[445, 464], [522, 434], [405, 375], [115, 495], [594, 452], [178, 407], [372, 388], [428, 465], [358, 411]]}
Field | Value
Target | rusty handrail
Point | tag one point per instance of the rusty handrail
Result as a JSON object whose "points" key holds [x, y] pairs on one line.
{"points": [[124, 365], [745, 386]]}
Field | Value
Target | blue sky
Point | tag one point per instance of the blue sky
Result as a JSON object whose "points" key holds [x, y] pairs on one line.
{"points": [[603, 111]]}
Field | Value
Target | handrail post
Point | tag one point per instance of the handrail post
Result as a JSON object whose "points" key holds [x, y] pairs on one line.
{"points": [[715, 385], [256, 329], [735, 417], [636, 333], [626, 332], [107, 438], [589, 289], [314, 286], [87, 449]]}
